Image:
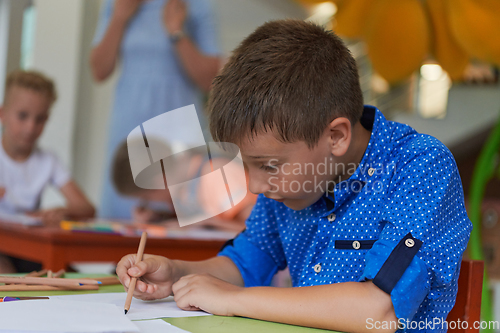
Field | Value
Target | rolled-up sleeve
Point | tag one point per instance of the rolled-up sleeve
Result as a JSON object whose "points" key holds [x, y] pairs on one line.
{"points": [[397, 270], [425, 230]]}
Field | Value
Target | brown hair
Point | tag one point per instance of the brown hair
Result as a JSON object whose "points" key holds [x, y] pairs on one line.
{"points": [[32, 80], [290, 77], [121, 173]]}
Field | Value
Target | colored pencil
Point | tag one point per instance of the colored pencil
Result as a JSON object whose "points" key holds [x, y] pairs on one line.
{"points": [[24, 287], [107, 280], [133, 281], [13, 298], [56, 282], [59, 273], [37, 273]]}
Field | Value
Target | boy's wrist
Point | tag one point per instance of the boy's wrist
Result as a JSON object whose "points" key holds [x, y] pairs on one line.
{"points": [[179, 269]]}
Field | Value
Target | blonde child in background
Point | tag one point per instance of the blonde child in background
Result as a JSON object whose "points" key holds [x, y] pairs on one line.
{"points": [[25, 169]]}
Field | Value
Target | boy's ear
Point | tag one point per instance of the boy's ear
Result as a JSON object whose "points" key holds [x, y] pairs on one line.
{"points": [[340, 134]]}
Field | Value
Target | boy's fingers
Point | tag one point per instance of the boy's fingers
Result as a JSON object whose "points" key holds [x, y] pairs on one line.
{"points": [[181, 287], [146, 266], [123, 266]]}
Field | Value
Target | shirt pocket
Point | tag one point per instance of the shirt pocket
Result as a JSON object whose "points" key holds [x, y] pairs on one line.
{"points": [[352, 244]]}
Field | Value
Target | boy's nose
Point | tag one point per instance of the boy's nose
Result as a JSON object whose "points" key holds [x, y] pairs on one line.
{"points": [[258, 185], [31, 126]]}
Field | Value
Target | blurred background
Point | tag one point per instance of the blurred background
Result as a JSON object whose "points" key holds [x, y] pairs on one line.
{"points": [[430, 64]]}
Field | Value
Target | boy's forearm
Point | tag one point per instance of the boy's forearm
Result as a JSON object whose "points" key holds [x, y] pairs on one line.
{"points": [[221, 267], [350, 307]]}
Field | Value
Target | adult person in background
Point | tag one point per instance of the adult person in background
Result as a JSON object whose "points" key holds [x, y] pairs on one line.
{"points": [[169, 57]]}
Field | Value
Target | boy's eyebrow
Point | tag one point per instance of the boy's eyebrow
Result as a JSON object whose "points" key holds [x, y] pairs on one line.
{"points": [[263, 156]]}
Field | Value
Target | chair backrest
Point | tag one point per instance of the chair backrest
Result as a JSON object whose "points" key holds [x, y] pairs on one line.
{"points": [[468, 304]]}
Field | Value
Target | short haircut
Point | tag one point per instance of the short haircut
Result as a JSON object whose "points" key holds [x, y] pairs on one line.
{"points": [[32, 80], [290, 77], [121, 172]]}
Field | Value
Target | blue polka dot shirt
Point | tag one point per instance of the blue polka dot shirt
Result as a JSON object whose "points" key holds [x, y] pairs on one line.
{"points": [[399, 221]]}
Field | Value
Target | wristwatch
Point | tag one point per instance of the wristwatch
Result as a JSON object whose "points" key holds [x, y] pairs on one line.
{"points": [[176, 36]]}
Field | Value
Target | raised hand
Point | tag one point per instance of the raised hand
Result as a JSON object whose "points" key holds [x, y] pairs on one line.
{"points": [[174, 15]]}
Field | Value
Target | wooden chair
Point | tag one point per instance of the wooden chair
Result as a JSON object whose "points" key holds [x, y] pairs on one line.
{"points": [[468, 304]]}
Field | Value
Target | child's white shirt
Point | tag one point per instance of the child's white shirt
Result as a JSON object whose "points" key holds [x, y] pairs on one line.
{"points": [[25, 181]]}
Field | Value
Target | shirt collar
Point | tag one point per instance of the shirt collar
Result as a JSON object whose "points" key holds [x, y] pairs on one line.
{"points": [[372, 117]]}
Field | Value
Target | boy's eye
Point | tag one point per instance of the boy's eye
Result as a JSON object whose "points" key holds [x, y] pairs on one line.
{"points": [[41, 119], [268, 167], [22, 115]]}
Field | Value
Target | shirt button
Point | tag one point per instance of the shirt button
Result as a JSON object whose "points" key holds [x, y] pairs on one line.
{"points": [[332, 217], [317, 268], [356, 245], [371, 171], [409, 242]]}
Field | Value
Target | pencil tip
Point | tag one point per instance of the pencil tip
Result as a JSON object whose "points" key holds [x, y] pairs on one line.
{"points": [[99, 282], [126, 311]]}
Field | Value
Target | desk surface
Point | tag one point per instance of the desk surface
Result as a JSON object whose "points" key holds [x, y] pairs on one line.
{"points": [[56, 248], [204, 324]]}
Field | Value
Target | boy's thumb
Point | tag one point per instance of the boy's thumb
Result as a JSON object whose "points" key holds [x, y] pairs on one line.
{"points": [[141, 268]]}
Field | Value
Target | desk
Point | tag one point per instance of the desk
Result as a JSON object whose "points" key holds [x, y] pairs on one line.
{"points": [[56, 248], [205, 324]]}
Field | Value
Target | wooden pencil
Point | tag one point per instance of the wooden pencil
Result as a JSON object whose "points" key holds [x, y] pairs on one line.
{"points": [[133, 281], [56, 282], [60, 273], [24, 287], [106, 280], [37, 273]]}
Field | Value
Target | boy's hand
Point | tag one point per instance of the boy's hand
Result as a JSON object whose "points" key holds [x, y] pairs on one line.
{"points": [[154, 273], [205, 292], [143, 215], [50, 217]]}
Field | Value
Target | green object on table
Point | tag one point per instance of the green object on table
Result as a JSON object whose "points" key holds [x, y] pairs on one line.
{"points": [[484, 171], [204, 324]]}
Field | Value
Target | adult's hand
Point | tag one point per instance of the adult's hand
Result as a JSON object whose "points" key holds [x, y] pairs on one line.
{"points": [[174, 15], [125, 9]]}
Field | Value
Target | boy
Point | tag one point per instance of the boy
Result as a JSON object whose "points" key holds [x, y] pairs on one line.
{"points": [[25, 169], [159, 203], [367, 214]]}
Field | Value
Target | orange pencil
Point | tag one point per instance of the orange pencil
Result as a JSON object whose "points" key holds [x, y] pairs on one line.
{"points": [[133, 281]]}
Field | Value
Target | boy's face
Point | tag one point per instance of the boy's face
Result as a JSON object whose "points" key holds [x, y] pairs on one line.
{"points": [[293, 173], [23, 117]]}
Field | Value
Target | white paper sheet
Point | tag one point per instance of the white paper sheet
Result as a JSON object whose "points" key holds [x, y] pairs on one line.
{"points": [[63, 316], [164, 308], [157, 326]]}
